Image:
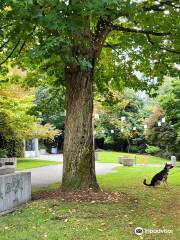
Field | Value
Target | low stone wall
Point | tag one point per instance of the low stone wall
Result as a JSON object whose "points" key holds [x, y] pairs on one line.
{"points": [[7, 165], [15, 190]]}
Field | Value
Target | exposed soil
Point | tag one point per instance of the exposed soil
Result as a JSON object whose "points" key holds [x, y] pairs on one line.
{"points": [[83, 196]]}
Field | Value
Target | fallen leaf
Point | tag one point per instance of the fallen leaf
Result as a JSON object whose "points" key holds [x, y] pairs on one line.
{"points": [[78, 221]]}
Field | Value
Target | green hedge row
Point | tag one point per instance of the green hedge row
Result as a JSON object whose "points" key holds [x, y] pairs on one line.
{"points": [[11, 148]]}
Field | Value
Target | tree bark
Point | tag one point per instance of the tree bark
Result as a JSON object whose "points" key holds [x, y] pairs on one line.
{"points": [[79, 156]]}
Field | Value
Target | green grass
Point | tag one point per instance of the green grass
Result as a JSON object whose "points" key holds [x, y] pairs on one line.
{"points": [[28, 163], [112, 157], [143, 206], [132, 177]]}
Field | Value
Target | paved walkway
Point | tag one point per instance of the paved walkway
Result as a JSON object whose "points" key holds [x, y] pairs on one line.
{"points": [[44, 176]]}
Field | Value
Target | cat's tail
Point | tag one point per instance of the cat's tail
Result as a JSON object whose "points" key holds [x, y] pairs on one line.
{"points": [[144, 182]]}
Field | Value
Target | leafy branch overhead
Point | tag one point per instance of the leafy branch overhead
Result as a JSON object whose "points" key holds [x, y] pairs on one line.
{"points": [[140, 39]]}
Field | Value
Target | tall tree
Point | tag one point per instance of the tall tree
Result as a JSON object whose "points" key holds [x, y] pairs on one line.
{"points": [[65, 40], [120, 121], [16, 122]]}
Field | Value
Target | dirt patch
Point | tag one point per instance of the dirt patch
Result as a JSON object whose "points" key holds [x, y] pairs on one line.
{"points": [[83, 196]]}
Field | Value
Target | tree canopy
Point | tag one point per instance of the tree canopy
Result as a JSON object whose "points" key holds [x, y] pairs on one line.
{"points": [[139, 39], [87, 45], [16, 122], [167, 106]]}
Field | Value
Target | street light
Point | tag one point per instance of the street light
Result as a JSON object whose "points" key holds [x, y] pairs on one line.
{"points": [[96, 116], [159, 124], [123, 118], [163, 120]]}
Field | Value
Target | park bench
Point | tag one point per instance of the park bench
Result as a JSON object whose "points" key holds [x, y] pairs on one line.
{"points": [[126, 161], [7, 165]]}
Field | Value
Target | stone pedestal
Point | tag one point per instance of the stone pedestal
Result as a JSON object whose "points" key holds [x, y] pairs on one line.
{"points": [[15, 190], [96, 156], [31, 148], [7, 165]]}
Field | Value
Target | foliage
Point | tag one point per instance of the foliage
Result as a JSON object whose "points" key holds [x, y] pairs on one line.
{"points": [[171, 106], [49, 104], [139, 40], [13, 147], [3, 153], [127, 104], [152, 149], [136, 148], [167, 105], [15, 119], [113, 43]]}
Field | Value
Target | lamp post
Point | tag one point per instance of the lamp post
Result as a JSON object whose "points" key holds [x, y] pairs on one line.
{"points": [[145, 126]]}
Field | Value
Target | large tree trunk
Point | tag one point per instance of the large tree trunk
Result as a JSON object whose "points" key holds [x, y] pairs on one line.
{"points": [[79, 157]]}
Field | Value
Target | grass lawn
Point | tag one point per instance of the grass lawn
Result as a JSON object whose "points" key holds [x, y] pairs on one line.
{"points": [[28, 163], [142, 206], [112, 157]]}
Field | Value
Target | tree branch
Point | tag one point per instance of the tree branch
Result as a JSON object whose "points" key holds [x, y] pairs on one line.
{"points": [[22, 46], [4, 44], [102, 29], [7, 25], [11, 53], [112, 47], [166, 49], [160, 7], [133, 30]]}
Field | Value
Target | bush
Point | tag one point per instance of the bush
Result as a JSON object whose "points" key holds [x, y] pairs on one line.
{"points": [[136, 149], [3, 153], [109, 140], [13, 148], [152, 149], [99, 150]]}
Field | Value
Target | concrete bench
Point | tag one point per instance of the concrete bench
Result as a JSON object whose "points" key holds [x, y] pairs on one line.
{"points": [[126, 161], [7, 165]]}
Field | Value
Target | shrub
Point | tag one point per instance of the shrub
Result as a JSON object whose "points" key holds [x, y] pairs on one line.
{"points": [[109, 140], [13, 148], [99, 150], [152, 149], [136, 149], [3, 153]]}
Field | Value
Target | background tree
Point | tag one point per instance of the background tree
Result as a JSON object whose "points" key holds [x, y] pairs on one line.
{"points": [[118, 134], [166, 105], [16, 122], [118, 43]]}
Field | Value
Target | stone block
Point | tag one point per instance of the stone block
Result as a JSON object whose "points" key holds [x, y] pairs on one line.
{"points": [[15, 190]]}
